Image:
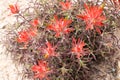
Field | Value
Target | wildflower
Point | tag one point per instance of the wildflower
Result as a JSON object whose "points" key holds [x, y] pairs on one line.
{"points": [[41, 70], [66, 5], [93, 17], [14, 9], [77, 47], [50, 50], [25, 36], [60, 26], [35, 22]]}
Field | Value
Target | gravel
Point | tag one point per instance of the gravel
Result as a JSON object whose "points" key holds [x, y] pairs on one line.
{"points": [[9, 70]]}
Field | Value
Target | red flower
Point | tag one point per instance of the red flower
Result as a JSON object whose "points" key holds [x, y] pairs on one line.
{"points": [[60, 26], [66, 5], [25, 36], [14, 9], [50, 50], [35, 22], [77, 48], [93, 17], [41, 70]]}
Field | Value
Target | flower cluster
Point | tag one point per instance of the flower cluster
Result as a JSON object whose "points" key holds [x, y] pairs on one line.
{"points": [[41, 70], [62, 26], [93, 17], [25, 35]]}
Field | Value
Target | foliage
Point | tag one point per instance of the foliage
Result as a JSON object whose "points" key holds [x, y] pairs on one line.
{"points": [[55, 43]]}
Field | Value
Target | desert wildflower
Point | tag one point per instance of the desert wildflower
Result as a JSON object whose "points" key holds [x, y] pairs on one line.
{"points": [[41, 70], [25, 35], [60, 26], [50, 50], [14, 9], [66, 5], [77, 47], [34, 22], [93, 17]]}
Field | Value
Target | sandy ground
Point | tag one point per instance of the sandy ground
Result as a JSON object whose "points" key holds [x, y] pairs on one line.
{"points": [[8, 69]]}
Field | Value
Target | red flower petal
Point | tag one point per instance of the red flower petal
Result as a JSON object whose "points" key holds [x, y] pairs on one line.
{"points": [[14, 8], [26, 35], [23, 37], [92, 16], [60, 26], [98, 30], [50, 50], [66, 5], [40, 70], [35, 68], [35, 22]]}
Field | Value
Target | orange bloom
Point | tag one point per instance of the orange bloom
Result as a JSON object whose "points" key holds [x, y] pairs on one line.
{"points": [[25, 36], [93, 17], [66, 5], [77, 47], [14, 9], [41, 70], [50, 50], [35, 22], [60, 26]]}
